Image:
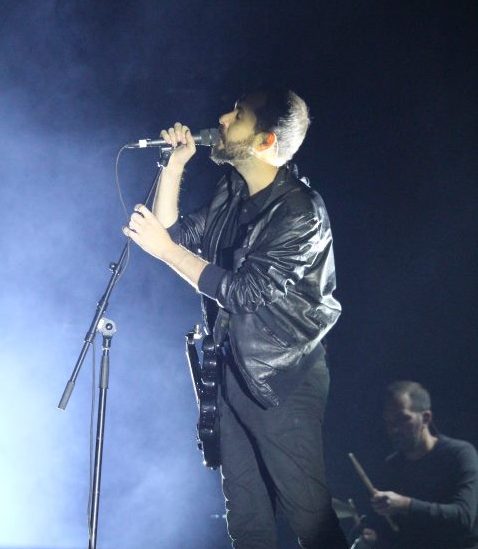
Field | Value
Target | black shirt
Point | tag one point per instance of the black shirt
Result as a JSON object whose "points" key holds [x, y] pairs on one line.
{"points": [[232, 238], [443, 486]]}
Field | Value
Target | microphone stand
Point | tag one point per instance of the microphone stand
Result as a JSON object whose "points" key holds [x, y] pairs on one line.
{"points": [[101, 324]]}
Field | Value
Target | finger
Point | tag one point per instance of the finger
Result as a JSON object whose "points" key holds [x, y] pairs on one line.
{"points": [[179, 131], [134, 225], [165, 135], [189, 138], [379, 504], [141, 209], [137, 218], [172, 136], [137, 208], [381, 500], [130, 234]]}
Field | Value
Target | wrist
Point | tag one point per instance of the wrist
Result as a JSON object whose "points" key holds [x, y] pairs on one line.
{"points": [[175, 168], [170, 251], [405, 505]]}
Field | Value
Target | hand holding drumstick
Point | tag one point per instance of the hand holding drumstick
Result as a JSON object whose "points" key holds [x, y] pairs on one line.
{"points": [[384, 503]]}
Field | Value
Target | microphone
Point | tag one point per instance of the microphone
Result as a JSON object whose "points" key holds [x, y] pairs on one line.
{"points": [[207, 138]]}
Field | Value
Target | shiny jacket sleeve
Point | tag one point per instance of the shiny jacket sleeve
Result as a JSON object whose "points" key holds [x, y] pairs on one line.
{"points": [[189, 229], [288, 245]]}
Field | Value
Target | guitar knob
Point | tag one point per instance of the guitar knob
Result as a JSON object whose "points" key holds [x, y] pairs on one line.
{"points": [[197, 331]]}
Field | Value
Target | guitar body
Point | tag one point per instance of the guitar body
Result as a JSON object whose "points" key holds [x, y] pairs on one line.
{"points": [[206, 379]]}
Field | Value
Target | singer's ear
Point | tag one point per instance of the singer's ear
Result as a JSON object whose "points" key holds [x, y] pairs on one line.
{"points": [[268, 141], [427, 417]]}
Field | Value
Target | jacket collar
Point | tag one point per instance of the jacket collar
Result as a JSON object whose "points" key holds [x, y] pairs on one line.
{"points": [[284, 181]]}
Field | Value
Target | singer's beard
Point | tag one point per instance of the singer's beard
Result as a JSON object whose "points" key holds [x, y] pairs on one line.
{"points": [[232, 152]]}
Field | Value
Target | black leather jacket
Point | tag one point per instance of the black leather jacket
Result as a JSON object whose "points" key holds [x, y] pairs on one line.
{"points": [[277, 301]]}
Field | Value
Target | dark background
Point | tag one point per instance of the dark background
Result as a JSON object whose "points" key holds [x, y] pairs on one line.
{"points": [[392, 150]]}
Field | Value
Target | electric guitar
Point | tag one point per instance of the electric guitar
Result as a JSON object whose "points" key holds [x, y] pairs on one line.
{"points": [[206, 379]]}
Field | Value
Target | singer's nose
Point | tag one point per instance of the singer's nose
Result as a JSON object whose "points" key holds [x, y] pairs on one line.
{"points": [[222, 128], [226, 118], [222, 120]]}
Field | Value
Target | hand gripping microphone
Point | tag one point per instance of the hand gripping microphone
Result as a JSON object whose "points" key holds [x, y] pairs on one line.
{"points": [[206, 138]]}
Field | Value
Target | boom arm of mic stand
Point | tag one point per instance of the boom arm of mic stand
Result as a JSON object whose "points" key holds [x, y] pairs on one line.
{"points": [[116, 269]]}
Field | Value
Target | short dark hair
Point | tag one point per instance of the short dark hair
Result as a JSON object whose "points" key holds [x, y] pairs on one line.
{"points": [[287, 115], [419, 396]]}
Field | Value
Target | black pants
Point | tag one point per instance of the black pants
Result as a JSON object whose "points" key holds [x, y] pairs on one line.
{"points": [[274, 458]]}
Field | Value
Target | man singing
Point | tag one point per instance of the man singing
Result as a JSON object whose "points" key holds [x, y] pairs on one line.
{"points": [[261, 256]]}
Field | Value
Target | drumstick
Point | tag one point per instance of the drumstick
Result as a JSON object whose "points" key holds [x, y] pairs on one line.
{"points": [[370, 487]]}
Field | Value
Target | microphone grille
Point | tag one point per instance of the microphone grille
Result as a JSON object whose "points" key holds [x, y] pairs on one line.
{"points": [[209, 137]]}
